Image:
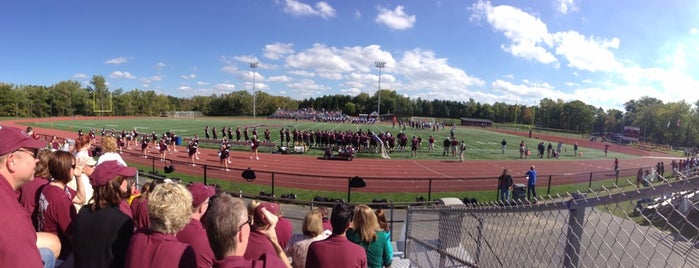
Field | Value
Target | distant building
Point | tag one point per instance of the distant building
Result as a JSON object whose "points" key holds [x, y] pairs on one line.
{"points": [[476, 122]]}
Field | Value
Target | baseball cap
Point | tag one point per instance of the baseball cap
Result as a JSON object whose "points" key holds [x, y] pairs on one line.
{"points": [[107, 170], [258, 216], [14, 138], [200, 193]]}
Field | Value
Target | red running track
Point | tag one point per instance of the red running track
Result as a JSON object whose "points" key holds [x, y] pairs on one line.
{"points": [[386, 175]]}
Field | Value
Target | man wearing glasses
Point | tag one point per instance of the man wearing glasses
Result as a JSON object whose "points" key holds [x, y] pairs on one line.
{"points": [[228, 228], [18, 240]]}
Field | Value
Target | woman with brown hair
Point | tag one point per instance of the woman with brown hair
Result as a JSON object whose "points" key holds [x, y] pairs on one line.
{"points": [[56, 210], [30, 190], [365, 232], [101, 231]]}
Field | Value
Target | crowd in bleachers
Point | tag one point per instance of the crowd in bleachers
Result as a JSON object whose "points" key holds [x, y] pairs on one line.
{"points": [[65, 208], [310, 114]]}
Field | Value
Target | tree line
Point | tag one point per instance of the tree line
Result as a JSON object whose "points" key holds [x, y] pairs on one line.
{"points": [[673, 123]]}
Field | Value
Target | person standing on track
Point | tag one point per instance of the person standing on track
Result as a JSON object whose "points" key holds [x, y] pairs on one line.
{"points": [[254, 144], [531, 182], [504, 185]]}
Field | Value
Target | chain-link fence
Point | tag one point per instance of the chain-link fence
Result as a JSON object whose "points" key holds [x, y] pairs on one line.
{"points": [[623, 226]]}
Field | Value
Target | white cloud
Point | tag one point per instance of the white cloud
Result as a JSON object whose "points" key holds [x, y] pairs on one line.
{"points": [[80, 76], [693, 31], [160, 65], [278, 50], [565, 5], [357, 14], [224, 87], [202, 83], [121, 75], [303, 73], [189, 76], [280, 78], [395, 19], [585, 53], [117, 61], [322, 9], [528, 34], [307, 88]]}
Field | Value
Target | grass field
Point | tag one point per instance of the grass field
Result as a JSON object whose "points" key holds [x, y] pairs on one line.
{"points": [[481, 144]]}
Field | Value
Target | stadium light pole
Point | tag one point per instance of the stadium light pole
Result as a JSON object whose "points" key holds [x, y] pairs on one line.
{"points": [[380, 65], [254, 65]]}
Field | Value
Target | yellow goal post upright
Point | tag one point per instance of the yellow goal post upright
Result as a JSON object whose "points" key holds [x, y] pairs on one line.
{"points": [[101, 109]]}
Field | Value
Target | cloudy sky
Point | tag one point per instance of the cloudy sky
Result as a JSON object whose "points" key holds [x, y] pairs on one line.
{"points": [[603, 53]]}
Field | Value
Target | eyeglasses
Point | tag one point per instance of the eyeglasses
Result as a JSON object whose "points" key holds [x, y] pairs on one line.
{"points": [[245, 223], [31, 152]]}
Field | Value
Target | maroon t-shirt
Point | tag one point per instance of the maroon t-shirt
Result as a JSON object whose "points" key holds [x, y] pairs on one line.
{"points": [[148, 248], [284, 231], [56, 212], [324, 253], [239, 261], [125, 208], [194, 234], [29, 196], [140, 215], [258, 245], [17, 231]]}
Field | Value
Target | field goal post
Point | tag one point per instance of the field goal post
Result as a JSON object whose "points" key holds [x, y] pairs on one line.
{"points": [[182, 114], [425, 121], [101, 102]]}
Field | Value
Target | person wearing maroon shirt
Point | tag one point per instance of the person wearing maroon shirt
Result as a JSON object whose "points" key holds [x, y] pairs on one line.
{"points": [[17, 162], [139, 206], [284, 229], [169, 209], [30, 190], [324, 253], [56, 210], [194, 233], [228, 228], [258, 242], [101, 230]]}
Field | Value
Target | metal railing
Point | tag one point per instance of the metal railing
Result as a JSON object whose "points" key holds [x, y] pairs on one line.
{"points": [[611, 227]]}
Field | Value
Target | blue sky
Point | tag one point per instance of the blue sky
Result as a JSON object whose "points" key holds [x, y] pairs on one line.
{"points": [[603, 53]]}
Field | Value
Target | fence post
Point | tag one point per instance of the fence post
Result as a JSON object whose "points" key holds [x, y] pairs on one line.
{"points": [[205, 168], [589, 184], [429, 191], [571, 256], [548, 189], [273, 185], [152, 165]]}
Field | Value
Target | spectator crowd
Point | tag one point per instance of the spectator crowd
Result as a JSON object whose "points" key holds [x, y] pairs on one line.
{"points": [[65, 208]]}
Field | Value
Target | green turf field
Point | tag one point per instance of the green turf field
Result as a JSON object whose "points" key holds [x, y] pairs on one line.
{"points": [[481, 143]]}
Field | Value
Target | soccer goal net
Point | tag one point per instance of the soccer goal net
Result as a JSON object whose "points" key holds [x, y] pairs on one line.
{"points": [[181, 114], [426, 122]]}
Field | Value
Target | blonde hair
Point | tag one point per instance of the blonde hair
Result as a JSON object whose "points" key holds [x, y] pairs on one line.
{"points": [[109, 144], [169, 207], [313, 223], [365, 223]]}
